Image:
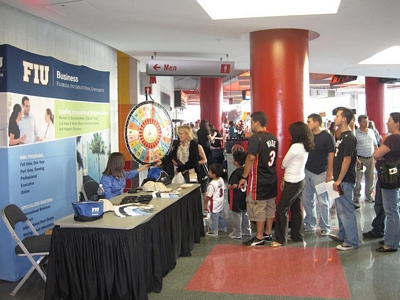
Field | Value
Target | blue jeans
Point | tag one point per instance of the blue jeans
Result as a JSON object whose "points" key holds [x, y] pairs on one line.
{"points": [[378, 224], [391, 206], [347, 215], [216, 218], [309, 192]]}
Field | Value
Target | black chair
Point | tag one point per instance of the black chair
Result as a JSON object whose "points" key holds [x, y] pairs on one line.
{"points": [[89, 190], [34, 245]]}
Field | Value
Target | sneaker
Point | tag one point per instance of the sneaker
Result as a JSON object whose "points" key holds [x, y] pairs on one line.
{"points": [[370, 235], [233, 236], [356, 200], [254, 242], [248, 234], [223, 229], [309, 229], [268, 237], [356, 206], [335, 238], [344, 247], [275, 244], [370, 200], [211, 234], [325, 232]]}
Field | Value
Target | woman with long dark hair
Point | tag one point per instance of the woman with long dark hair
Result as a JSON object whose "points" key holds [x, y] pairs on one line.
{"points": [[114, 176], [13, 129], [293, 184], [205, 138], [389, 153]]}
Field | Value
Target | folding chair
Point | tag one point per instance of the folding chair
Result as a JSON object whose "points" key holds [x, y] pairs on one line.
{"points": [[89, 190], [34, 245]]}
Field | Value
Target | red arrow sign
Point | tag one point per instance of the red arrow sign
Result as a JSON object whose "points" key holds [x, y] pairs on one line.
{"points": [[156, 66]]}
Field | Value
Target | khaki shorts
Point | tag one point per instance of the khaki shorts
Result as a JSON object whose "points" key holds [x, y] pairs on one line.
{"points": [[260, 210]]}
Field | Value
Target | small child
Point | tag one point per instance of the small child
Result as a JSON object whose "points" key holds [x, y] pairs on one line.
{"points": [[237, 199], [215, 199]]}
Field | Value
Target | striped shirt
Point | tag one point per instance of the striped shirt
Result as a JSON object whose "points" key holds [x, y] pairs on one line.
{"points": [[366, 142]]}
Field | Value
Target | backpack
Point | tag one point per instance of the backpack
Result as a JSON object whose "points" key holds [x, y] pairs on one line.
{"points": [[158, 175]]}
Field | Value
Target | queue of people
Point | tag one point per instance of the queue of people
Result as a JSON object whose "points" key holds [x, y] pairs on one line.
{"points": [[315, 156]]}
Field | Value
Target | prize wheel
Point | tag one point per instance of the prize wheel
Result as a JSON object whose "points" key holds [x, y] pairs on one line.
{"points": [[148, 132]]}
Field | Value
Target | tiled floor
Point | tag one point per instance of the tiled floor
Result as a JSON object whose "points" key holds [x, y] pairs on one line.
{"points": [[220, 268]]}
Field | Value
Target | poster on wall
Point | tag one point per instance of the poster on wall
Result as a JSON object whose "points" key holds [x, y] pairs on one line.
{"points": [[54, 129]]}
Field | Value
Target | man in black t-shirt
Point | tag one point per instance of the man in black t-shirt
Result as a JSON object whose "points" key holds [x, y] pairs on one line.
{"points": [[260, 175], [318, 170], [344, 176]]}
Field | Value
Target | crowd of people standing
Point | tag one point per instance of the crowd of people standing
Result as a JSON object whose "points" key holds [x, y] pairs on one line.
{"points": [[341, 155]]}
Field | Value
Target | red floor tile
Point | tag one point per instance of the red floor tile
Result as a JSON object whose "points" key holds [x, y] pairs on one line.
{"points": [[284, 271]]}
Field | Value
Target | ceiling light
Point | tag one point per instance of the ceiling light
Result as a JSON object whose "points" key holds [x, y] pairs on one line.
{"points": [[235, 9], [390, 56]]}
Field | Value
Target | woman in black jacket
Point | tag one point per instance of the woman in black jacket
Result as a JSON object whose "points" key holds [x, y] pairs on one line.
{"points": [[185, 155]]}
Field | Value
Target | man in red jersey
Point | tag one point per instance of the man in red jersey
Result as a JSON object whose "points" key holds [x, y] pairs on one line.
{"points": [[260, 175]]}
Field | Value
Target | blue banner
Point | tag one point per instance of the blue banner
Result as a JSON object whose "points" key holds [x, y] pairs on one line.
{"points": [[27, 73]]}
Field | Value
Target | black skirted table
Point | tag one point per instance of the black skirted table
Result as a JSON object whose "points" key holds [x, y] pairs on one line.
{"points": [[123, 258]]}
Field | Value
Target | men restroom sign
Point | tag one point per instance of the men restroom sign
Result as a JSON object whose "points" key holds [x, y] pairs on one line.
{"points": [[190, 68]]}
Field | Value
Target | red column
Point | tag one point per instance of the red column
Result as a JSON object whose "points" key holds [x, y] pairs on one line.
{"points": [[375, 103], [210, 100], [279, 80]]}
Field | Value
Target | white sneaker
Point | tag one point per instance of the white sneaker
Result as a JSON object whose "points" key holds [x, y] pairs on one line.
{"points": [[325, 232], [234, 237], [211, 234], [344, 247], [335, 238]]}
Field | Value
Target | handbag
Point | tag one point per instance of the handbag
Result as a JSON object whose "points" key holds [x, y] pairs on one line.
{"points": [[203, 171], [178, 178], [389, 175]]}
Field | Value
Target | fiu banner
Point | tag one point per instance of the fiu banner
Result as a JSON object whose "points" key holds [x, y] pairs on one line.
{"points": [[54, 130]]}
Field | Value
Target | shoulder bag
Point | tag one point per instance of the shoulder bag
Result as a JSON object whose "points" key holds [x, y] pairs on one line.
{"points": [[389, 175]]}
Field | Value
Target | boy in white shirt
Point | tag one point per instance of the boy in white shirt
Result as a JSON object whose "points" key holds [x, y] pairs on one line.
{"points": [[215, 197]]}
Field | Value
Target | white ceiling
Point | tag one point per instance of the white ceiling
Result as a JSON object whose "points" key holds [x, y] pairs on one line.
{"points": [[181, 29]]}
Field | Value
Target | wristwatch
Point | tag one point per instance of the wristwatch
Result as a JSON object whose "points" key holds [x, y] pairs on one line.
{"points": [[244, 177]]}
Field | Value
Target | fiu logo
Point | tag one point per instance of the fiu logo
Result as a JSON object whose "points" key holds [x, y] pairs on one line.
{"points": [[95, 210], [40, 73]]}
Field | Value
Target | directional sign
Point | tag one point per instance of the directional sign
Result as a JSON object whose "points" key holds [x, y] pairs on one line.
{"points": [[195, 68]]}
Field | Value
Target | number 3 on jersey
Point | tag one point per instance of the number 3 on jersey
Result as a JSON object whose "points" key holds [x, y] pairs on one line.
{"points": [[272, 156]]}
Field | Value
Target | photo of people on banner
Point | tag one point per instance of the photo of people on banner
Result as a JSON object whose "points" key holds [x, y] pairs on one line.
{"points": [[30, 120]]}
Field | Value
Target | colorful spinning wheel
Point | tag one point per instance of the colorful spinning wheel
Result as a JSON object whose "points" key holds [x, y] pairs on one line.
{"points": [[148, 132]]}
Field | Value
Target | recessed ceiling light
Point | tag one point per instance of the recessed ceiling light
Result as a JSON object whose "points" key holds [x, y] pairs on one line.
{"points": [[389, 56], [235, 9]]}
